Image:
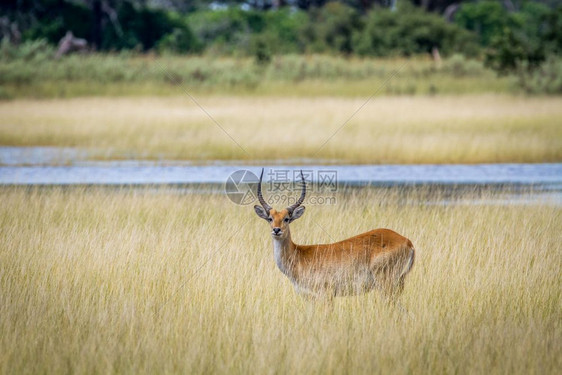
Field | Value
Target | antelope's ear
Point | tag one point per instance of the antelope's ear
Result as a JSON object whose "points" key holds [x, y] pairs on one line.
{"points": [[260, 211], [297, 213]]}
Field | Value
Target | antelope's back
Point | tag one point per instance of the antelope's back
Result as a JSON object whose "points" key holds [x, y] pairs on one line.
{"points": [[378, 242], [354, 265], [390, 252], [360, 250]]}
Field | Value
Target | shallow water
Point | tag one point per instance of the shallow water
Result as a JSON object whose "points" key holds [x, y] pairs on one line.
{"points": [[133, 172], [67, 166], [17, 156]]}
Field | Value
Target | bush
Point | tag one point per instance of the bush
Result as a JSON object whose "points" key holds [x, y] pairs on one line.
{"points": [[180, 40], [545, 79], [142, 27], [220, 30], [53, 18], [411, 31], [489, 19], [486, 18], [31, 50], [137, 26], [552, 35], [527, 36], [460, 66], [532, 35], [331, 28], [232, 31], [261, 47], [510, 49]]}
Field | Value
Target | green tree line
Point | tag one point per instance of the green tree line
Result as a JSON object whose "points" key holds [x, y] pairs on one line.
{"points": [[511, 34]]}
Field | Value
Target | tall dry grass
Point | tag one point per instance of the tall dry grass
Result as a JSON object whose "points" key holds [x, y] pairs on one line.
{"points": [[467, 129], [152, 281]]}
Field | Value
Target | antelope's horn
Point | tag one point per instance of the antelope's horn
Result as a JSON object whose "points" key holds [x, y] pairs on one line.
{"points": [[264, 204], [301, 199]]}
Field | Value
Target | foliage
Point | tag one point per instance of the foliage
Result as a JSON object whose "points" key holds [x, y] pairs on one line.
{"points": [[514, 40], [552, 35], [509, 50], [135, 25], [330, 28], [248, 29], [235, 31], [460, 66], [53, 18], [262, 50], [544, 79], [411, 31], [134, 73], [486, 18], [529, 47], [143, 28], [181, 39], [31, 51]]}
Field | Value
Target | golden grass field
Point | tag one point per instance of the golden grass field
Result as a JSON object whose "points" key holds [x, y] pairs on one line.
{"points": [[402, 129], [99, 280]]}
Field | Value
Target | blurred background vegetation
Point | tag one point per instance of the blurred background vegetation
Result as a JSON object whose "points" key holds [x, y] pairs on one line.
{"points": [[248, 45]]}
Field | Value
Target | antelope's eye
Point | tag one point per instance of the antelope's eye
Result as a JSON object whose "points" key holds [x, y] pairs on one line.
{"points": [[286, 219], [269, 219]]}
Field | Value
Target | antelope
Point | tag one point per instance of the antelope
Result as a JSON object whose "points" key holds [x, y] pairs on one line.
{"points": [[379, 259]]}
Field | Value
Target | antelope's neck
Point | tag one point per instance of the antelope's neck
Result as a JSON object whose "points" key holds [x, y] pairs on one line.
{"points": [[285, 252]]}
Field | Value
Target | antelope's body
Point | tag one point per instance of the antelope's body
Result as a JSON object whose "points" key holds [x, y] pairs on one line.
{"points": [[379, 259]]}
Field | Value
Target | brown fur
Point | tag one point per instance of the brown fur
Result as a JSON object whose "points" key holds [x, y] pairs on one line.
{"points": [[379, 258]]}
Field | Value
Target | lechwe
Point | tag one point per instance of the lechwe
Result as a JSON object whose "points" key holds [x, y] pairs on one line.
{"points": [[379, 259]]}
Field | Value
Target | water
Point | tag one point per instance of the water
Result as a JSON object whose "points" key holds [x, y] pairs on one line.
{"points": [[132, 172], [60, 166], [17, 156]]}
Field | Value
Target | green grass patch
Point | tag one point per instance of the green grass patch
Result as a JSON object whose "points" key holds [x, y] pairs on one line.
{"points": [[315, 75]]}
